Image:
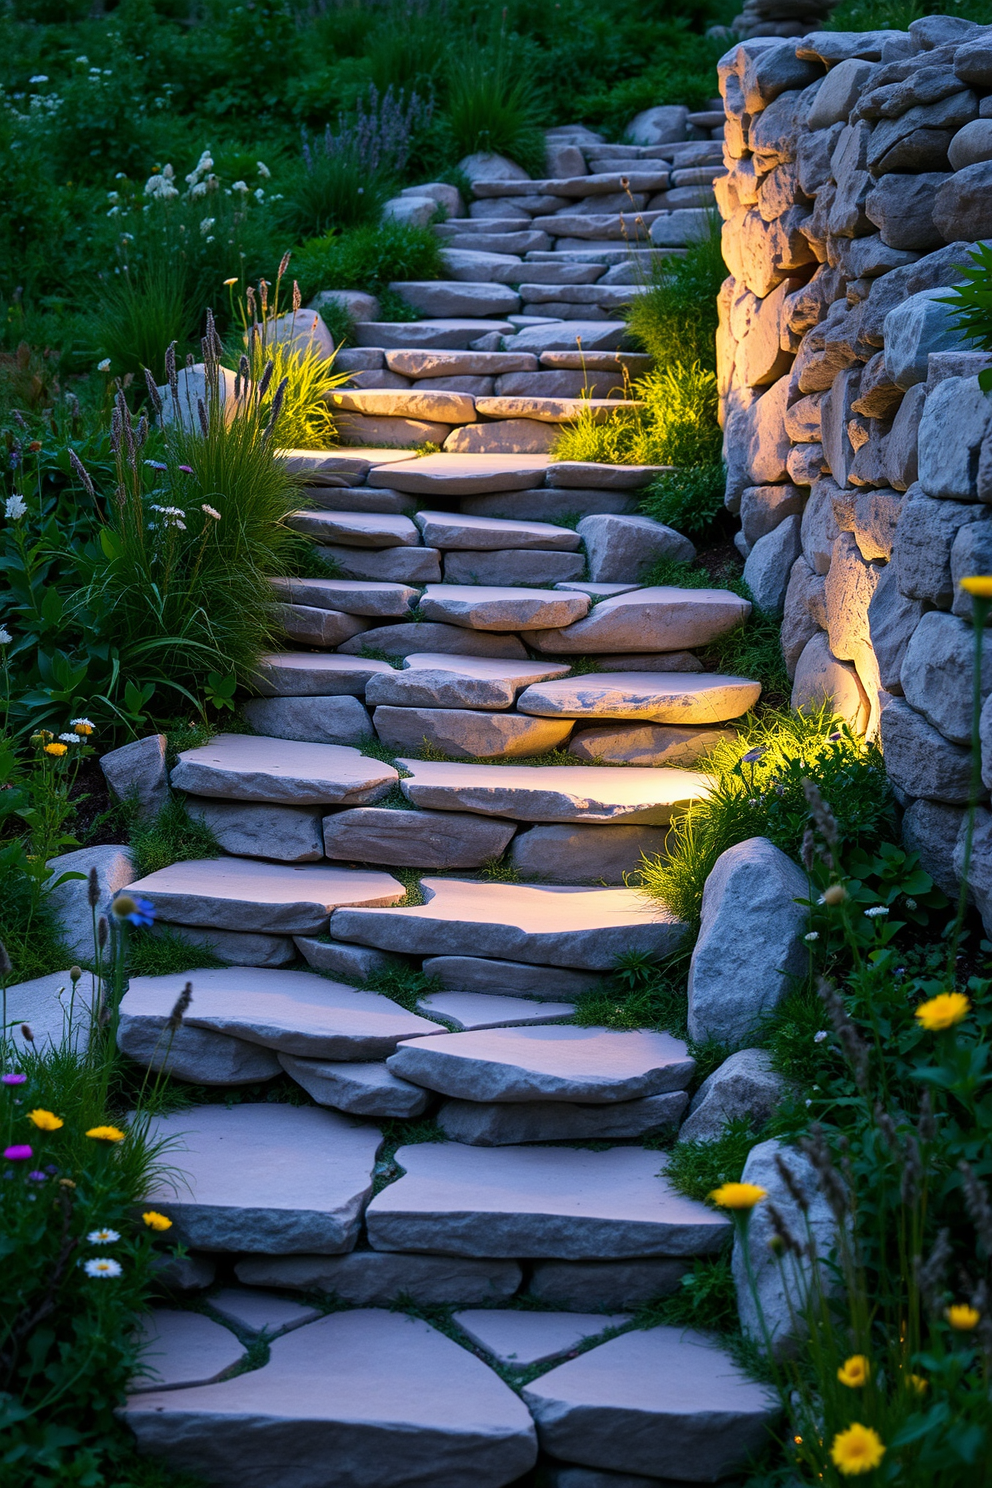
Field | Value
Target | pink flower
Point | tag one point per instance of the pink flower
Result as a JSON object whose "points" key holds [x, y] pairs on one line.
{"points": [[12, 1079], [17, 1153]]}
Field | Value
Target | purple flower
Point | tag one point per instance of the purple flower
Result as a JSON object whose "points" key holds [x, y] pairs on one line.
{"points": [[17, 1153], [12, 1079], [186, 469], [37, 1177], [143, 913], [753, 756]]}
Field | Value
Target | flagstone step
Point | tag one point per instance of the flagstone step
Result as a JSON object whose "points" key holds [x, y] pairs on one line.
{"points": [[364, 1089], [510, 436], [352, 466], [256, 1312], [271, 898], [513, 978], [660, 1401], [304, 674], [582, 928], [512, 567], [447, 333], [361, 498], [556, 793], [415, 636], [506, 1124], [385, 1398], [518, 1340], [584, 473], [391, 565], [467, 264], [434, 364], [463, 475], [443, 840], [356, 529], [550, 505], [449, 297], [463, 733], [573, 853], [596, 1066], [568, 1203], [251, 767], [291, 1012], [445, 530], [268, 1178], [659, 618], [477, 607], [444, 407], [436, 680], [635, 363], [568, 335], [180, 1349], [312, 626], [290, 834], [376, 1278], [469, 1011], [658, 697], [609, 183], [553, 410], [647, 743], [373, 599]]}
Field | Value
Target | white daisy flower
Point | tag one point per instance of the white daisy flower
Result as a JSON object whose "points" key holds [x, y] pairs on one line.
{"points": [[106, 1267], [102, 1237], [70, 738]]}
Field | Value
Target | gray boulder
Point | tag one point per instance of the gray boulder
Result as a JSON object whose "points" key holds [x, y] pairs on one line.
{"points": [[136, 774], [980, 866], [745, 1085], [621, 548], [69, 901], [311, 720], [892, 618], [921, 552], [901, 207], [937, 674], [971, 553], [963, 205], [769, 564], [955, 424], [658, 126], [931, 830], [770, 1299], [750, 946], [920, 325], [919, 760]]}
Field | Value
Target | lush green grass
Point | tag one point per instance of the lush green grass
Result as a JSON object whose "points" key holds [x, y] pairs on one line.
{"points": [[675, 318], [696, 1168], [368, 258], [166, 953], [172, 836], [705, 1298]]}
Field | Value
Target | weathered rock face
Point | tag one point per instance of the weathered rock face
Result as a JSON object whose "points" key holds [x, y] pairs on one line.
{"points": [[853, 381]]}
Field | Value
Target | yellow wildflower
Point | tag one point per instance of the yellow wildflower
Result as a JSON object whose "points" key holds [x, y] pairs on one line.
{"points": [[738, 1195], [56, 749], [857, 1450], [854, 1371], [943, 1011], [156, 1221], [106, 1133], [963, 1317], [918, 1383], [45, 1120], [980, 585]]}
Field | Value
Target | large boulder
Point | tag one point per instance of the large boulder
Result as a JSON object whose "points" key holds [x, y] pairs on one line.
{"points": [[769, 564], [937, 674], [745, 1085], [750, 946], [136, 774], [821, 678], [69, 901], [921, 324], [621, 549]]}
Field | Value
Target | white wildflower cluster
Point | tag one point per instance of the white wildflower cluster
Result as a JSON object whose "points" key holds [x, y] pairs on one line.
{"points": [[876, 913], [201, 178], [211, 511], [206, 225], [161, 186], [172, 516], [5, 636], [14, 508]]}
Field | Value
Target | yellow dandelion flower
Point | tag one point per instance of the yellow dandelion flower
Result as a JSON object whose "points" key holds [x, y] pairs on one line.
{"points": [[45, 1120], [918, 1383], [106, 1133], [738, 1195], [980, 585], [943, 1012], [156, 1221], [854, 1372], [962, 1317], [857, 1450], [56, 749]]}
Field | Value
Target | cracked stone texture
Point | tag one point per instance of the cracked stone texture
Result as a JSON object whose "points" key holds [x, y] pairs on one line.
{"points": [[519, 1339], [481, 608], [514, 978], [290, 834], [464, 733], [361, 1089], [311, 720], [480, 1124], [182, 1348], [385, 1398], [415, 839], [565, 1203], [468, 1011], [250, 767], [656, 697], [660, 618], [374, 1278], [434, 680], [268, 1178]]}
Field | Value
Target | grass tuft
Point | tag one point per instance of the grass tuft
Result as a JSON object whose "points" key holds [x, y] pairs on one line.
{"points": [[696, 1168], [173, 836]]}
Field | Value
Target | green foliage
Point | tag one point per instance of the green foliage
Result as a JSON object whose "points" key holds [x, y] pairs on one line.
{"points": [[675, 426], [140, 314], [402, 983], [704, 1298], [971, 302], [167, 952], [492, 107], [690, 499], [335, 192], [172, 836], [696, 1168], [675, 318], [368, 258]]}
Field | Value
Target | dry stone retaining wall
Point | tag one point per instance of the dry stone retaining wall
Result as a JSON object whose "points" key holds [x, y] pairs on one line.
{"points": [[858, 441]]}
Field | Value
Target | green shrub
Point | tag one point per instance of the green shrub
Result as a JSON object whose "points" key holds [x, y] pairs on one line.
{"points": [[368, 258], [172, 836], [675, 426], [335, 190], [675, 318], [142, 313], [690, 499], [492, 107]]}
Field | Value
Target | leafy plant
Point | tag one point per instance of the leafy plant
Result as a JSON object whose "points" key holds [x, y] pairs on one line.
{"points": [[143, 312], [676, 424], [971, 303], [492, 107], [674, 318], [368, 258], [690, 499]]}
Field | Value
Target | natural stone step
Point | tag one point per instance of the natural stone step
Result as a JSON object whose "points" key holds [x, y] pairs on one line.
{"points": [[368, 598], [250, 767], [517, 240], [464, 733], [549, 505], [293, 1012], [519, 1339], [552, 410], [435, 680], [510, 436], [235, 948], [478, 974], [352, 465], [512, 567], [357, 529], [258, 1312], [412, 403], [468, 1011], [647, 744], [385, 1398], [634, 362], [576, 927], [291, 834], [415, 839], [559, 383], [554, 296], [303, 674], [361, 498], [470, 265], [311, 720], [605, 184], [557, 793], [597, 1066], [558, 273], [376, 1278], [364, 1089], [660, 697], [597, 591], [446, 530], [268, 1178], [614, 1284], [420, 364], [183, 1348], [481, 1124], [417, 636], [392, 565], [571, 335], [465, 475], [580, 853], [654, 1401], [447, 333], [349, 963], [315, 627], [605, 477], [449, 297], [539, 1201], [275, 898], [659, 618]]}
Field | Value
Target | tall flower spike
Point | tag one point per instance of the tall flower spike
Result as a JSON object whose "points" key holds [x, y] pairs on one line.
{"points": [[822, 815], [926, 1126], [265, 379], [789, 1179], [815, 1148], [201, 414], [170, 371], [81, 471], [855, 1050], [182, 1002], [115, 430], [142, 431], [977, 1206], [283, 265], [276, 410], [297, 297], [102, 931], [931, 1274], [788, 1242], [93, 889], [153, 393]]}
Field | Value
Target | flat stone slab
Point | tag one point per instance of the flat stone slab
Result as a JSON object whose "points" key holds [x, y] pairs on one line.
{"points": [[520, 1339], [491, 1124], [274, 898], [268, 1178], [479, 607], [45, 1005], [662, 618], [511, 566], [568, 1203], [431, 679], [360, 1089], [366, 597], [465, 475], [312, 720], [434, 636], [654, 1401], [656, 697], [564, 1063], [467, 1011], [385, 1398], [183, 1348], [389, 565], [305, 674], [570, 335], [251, 767], [464, 733], [260, 1312], [374, 1278], [553, 410], [446, 530], [418, 364], [597, 591], [647, 743], [585, 928], [557, 793], [354, 464], [614, 1284], [357, 529], [312, 625], [415, 839], [294, 1012], [509, 978], [447, 407], [447, 334]]}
